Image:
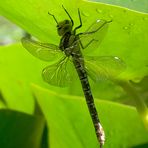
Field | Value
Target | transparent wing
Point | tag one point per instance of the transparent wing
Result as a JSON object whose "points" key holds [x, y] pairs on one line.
{"points": [[93, 36], [43, 51], [58, 74], [105, 67]]}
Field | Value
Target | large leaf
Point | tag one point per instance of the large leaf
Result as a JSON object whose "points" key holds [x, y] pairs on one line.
{"points": [[127, 36], [70, 124], [17, 70], [138, 5], [19, 130], [142, 146]]}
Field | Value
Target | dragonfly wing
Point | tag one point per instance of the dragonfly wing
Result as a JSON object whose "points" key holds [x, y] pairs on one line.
{"points": [[93, 36], [58, 74], [43, 51], [105, 67]]}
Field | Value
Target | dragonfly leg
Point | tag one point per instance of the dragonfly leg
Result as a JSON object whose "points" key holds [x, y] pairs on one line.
{"points": [[68, 15], [80, 21], [91, 32], [97, 28], [83, 47]]}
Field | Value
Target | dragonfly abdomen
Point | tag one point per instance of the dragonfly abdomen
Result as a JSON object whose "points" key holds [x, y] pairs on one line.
{"points": [[79, 65], [84, 82]]}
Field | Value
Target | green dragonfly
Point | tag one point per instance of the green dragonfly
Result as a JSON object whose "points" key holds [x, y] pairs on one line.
{"points": [[71, 51]]}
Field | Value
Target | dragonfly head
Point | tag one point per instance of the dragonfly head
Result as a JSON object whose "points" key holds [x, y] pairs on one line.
{"points": [[64, 27]]}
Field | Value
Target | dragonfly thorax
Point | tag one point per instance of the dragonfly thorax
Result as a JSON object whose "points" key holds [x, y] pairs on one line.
{"points": [[64, 27]]}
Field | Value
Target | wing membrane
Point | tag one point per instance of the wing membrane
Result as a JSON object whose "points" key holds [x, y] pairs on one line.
{"points": [[94, 35], [57, 74], [105, 67], [43, 51]]}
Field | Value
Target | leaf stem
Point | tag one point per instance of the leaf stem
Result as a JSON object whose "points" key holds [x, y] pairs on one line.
{"points": [[139, 101]]}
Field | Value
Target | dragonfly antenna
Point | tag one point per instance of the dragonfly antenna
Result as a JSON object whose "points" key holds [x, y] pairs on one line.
{"points": [[53, 17], [68, 15]]}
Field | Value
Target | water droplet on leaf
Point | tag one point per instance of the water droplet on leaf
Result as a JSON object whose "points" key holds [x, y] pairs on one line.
{"points": [[98, 21], [111, 16], [131, 24], [117, 58], [125, 27], [99, 11], [145, 18], [124, 11], [85, 13]]}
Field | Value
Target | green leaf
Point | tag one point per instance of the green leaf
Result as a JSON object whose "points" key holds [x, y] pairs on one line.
{"points": [[141, 88], [138, 5], [3, 103], [70, 124], [141, 146], [68, 116], [127, 36], [19, 130], [18, 68]]}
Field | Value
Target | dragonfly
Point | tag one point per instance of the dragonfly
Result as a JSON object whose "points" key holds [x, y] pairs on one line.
{"points": [[70, 52]]}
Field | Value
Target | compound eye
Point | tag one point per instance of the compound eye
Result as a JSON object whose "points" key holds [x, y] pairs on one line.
{"points": [[66, 21]]}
